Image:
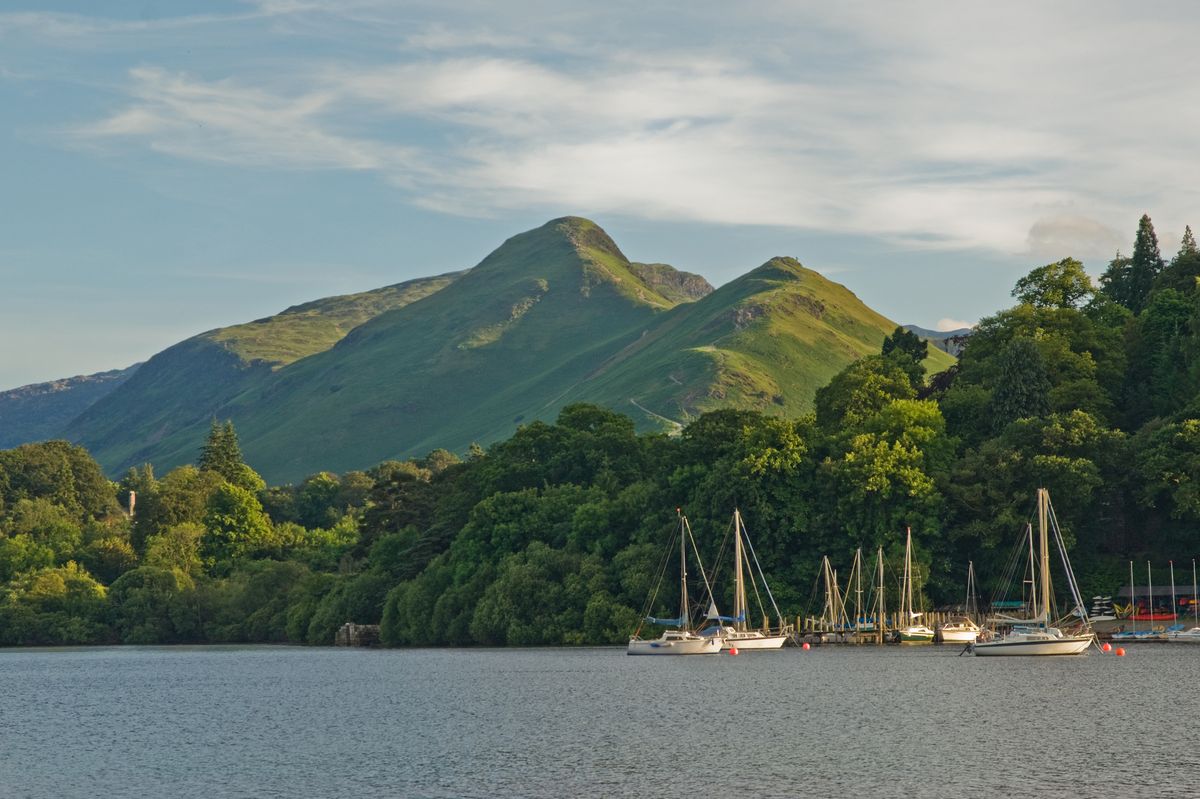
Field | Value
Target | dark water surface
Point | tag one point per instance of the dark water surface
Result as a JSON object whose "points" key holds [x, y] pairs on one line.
{"points": [[831, 722]]}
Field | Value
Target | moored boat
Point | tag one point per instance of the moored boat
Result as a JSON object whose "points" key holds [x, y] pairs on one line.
{"points": [[911, 632], [1038, 636], [684, 641], [737, 634]]}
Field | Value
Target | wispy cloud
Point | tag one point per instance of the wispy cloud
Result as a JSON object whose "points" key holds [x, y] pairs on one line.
{"points": [[1025, 130]]}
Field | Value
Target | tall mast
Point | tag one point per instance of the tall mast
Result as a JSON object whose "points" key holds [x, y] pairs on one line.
{"points": [[1174, 612], [1132, 599], [1195, 604], [1034, 606], [908, 597], [858, 608], [1149, 595], [739, 585], [683, 597], [879, 621], [1044, 552]]}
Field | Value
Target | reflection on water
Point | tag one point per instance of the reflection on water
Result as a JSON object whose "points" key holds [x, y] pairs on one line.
{"points": [[273, 721]]}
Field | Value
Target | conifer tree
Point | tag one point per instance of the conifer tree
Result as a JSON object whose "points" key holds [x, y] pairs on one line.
{"points": [[222, 454], [1187, 247], [1024, 386], [1144, 266]]}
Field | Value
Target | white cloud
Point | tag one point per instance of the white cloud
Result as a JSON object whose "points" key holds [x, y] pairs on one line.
{"points": [[946, 324], [1025, 130]]}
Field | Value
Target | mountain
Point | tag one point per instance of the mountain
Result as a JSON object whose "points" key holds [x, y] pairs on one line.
{"points": [[154, 415], [950, 341], [40, 411], [555, 315]]}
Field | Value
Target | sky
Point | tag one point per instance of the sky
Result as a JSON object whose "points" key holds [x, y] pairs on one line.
{"points": [[171, 167]]}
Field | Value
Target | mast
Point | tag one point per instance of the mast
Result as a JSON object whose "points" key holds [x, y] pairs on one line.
{"points": [[1132, 600], [1174, 611], [970, 607], [683, 596], [1149, 596], [1033, 592], [1044, 553], [908, 598], [879, 621], [1195, 604], [739, 589], [858, 608]]}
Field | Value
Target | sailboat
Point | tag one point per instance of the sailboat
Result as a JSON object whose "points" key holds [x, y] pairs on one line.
{"points": [[738, 634], [683, 641], [1190, 636], [963, 629], [1036, 636], [910, 632]]}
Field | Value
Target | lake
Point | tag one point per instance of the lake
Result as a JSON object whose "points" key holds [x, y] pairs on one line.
{"points": [[834, 721]]}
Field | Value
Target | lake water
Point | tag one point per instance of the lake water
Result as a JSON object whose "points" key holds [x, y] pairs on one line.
{"points": [[834, 721]]}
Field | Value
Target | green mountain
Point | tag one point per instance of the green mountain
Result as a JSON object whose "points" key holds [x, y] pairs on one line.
{"points": [[767, 340], [40, 411], [555, 315], [153, 416]]}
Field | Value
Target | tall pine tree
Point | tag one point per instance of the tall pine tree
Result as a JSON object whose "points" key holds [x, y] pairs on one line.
{"points": [[222, 454], [1023, 389], [1144, 266]]}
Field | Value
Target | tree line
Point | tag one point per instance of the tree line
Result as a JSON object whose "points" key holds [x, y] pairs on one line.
{"points": [[556, 535]]}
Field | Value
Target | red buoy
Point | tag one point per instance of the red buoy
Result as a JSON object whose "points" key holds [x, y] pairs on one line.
{"points": [[1106, 647], [806, 646], [1120, 652], [733, 650]]}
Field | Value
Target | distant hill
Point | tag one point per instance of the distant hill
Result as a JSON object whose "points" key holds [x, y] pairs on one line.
{"points": [[950, 341], [555, 315], [40, 411], [154, 415]]}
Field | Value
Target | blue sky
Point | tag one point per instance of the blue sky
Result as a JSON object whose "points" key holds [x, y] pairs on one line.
{"points": [[170, 167]]}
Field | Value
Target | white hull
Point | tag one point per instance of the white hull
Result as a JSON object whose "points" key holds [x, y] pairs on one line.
{"points": [[1191, 636], [753, 640], [675, 646], [1021, 645], [916, 634], [959, 636]]}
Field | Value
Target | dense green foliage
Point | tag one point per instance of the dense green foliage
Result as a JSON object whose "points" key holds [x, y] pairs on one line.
{"points": [[556, 535]]}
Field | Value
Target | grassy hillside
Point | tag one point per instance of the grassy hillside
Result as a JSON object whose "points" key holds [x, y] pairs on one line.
{"points": [[766, 341], [40, 411], [555, 315], [154, 415], [466, 364]]}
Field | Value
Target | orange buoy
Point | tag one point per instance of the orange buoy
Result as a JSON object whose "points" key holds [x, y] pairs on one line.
{"points": [[733, 650], [806, 646], [1120, 652], [1106, 647]]}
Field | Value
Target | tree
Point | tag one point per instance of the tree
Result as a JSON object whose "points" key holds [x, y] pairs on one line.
{"points": [[860, 391], [235, 526], [1059, 285], [1024, 386], [222, 454], [1129, 281], [907, 350]]}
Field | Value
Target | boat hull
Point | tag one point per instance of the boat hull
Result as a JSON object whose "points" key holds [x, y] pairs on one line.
{"points": [[755, 641], [959, 636], [690, 646], [916, 635], [1068, 645]]}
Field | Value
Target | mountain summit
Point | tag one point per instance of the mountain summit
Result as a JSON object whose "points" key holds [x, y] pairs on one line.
{"points": [[554, 315]]}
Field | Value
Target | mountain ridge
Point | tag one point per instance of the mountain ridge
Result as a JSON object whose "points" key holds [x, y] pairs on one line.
{"points": [[554, 315]]}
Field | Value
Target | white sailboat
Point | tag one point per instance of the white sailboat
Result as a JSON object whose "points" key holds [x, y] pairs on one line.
{"points": [[910, 631], [1190, 636], [683, 641], [1037, 636], [738, 633], [963, 629]]}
